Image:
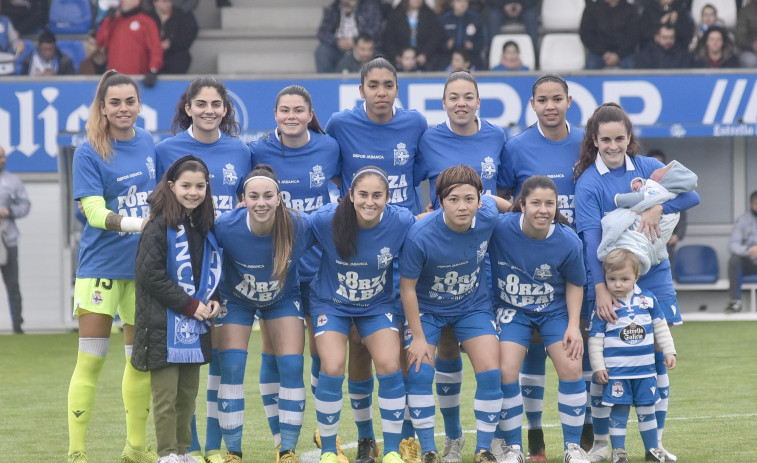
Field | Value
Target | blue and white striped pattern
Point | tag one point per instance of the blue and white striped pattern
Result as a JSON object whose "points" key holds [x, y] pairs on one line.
{"points": [[328, 408], [571, 406], [269, 393], [487, 404], [420, 401], [231, 398], [391, 399], [291, 399]]}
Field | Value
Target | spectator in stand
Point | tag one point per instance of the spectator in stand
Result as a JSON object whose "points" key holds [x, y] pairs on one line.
{"points": [[715, 50], [460, 60], [676, 13], [707, 17], [9, 40], [27, 16], [746, 35], [178, 29], [407, 61], [610, 32], [132, 40], [46, 59], [342, 22], [510, 59], [363, 52], [743, 246], [463, 29], [96, 62], [413, 24], [522, 11], [663, 52]]}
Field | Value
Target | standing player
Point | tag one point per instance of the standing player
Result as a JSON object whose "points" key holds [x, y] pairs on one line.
{"points": [[608, 163], [538, 276], [465, 139], [305, 160], [113, 174], [549, 147], [205, 115], [443, 284], [376, 133], [360, 238], [262, 243]]}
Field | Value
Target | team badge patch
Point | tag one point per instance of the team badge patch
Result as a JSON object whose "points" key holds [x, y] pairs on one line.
{"points": [[322, 320], [617, 389], [544, 272], [401, 155], [407, 334], [134, 25], [384, 258], [487, 168], [230, 176], [150, 164], [183, 334], [223, 310], [645, 303], [97, 298], [317, 177], [633, 334], [481, 252]]}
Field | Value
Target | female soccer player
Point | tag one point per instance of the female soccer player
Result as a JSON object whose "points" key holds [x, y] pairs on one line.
{"points": [[465, 139], [305, 160], [549, 147], [205, 116], [360, 238], [443, 279], [114, 171], [262, 243], [607, 165], [538, 276]]}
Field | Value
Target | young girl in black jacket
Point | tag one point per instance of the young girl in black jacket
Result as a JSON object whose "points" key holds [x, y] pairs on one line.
{"points": [[178, 267]]}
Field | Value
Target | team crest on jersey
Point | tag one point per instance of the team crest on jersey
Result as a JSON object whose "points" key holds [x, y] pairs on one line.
{"points": [[645, 303], [384, 258], [230, 176], [617, 389], [487, 168], [150, 164], [407, 334], [401, 155], [544, 272], [184, 334], [223, 310], [633, 334], [481, 253], [97, 298], [317, 177], [322, 320]]}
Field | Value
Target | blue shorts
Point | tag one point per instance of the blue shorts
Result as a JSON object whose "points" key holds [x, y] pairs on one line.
{"points": [[467, 326], [518, 326], [671, 311], [236, 314], [366, 325], [637, 391]]}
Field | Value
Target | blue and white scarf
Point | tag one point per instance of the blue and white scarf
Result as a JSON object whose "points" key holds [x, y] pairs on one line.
{"points": [[183, 333]]}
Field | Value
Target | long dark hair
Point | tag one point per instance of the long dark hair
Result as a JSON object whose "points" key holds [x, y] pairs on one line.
{"points": [[298, 90], [700, 52], [163, 200], [344, 223], [182, 120], [532, 183], [608, 112], [283, 227]]}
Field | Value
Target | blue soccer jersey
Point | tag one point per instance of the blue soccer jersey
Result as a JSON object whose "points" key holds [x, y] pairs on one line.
{"points": [[595, 197], [228, 161], [363, 285], [248, 261], [391, 146], [531, 153], [629, 342], [529, 274], [304, 174], [441, 148], [449, 265], [125, 181]]}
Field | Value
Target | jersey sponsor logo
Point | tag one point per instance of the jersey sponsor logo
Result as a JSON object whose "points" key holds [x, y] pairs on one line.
{"points": [[401, 154], [384, 258], [488, 169], [230, 176], [223, 203], [633, 334], [150, 164], [355, 289], [263, 291], [397, 188], [301, 204], [566, 204], [322, 320], [97, 298], [317, 177], [617, 389], [183, 333], [455, 285], [544, 272], [481, 252], [513, 292], [134, 203]]}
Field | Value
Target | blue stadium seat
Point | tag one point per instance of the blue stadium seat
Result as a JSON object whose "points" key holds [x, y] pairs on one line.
{"points": [[28, 50], [74, 49], [696, 264], [70, 16]]}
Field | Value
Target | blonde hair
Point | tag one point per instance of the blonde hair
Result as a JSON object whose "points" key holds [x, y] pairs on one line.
{"points": [[618, 259], [98, 127]]}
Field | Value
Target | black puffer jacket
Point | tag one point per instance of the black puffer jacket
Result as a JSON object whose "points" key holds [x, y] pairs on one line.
{"points": [[155, 291]]}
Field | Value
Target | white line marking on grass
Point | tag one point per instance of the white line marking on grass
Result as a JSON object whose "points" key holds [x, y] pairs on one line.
{"points": [[314, 455]]}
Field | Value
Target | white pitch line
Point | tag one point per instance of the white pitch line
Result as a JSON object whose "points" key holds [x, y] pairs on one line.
{"points": [[314, 455]]}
